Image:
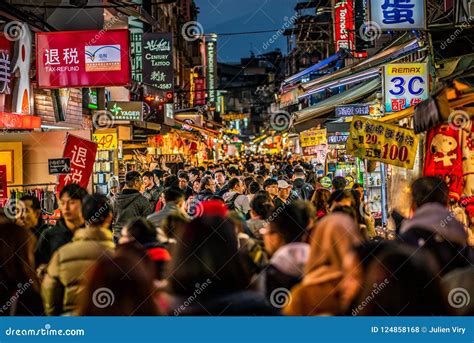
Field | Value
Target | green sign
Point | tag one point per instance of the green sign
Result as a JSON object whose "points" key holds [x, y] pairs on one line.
{"points": [[326, 182]]}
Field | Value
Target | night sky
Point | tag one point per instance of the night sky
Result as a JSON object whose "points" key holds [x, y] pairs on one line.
{"points": [[227, 16]]}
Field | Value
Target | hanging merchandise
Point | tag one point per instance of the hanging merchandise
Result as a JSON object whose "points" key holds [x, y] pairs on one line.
{"points": [[468, 159], [444, 157]]}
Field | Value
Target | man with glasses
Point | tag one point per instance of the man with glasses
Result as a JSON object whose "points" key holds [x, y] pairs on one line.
{"points": [[129, 203]]}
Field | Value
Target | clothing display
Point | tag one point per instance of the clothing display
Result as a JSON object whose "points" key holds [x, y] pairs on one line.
{"points": [[46, 197]]}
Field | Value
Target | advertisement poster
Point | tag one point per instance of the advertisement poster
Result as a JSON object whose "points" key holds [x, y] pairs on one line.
{"points": [[405, 85], [313, 137], [398, 15], [377, 141], [82, 58], [3, 185], [157, 55], [82, 153]]}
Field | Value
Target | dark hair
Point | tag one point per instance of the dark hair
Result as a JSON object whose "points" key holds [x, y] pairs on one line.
{"points": [[74, 191], [183, 175], [269, 182], [35, 203], [350, 211], [128, 275], [206, 180], [194, 171], [131, 178], [290, 223], [233, 182], [429, 189], [207, 172], [254, 187], [201, 169], [234, 171], [263, 172], [173, 194], [142, 230], [339, 195], [171, 181], [96, 209], [148, 174], [339, 183], [357, 185], [298, 171], [250, 167], [402, 294], [262, 205], [247, 181], [207, 251], [320, 199], [174, 223]]}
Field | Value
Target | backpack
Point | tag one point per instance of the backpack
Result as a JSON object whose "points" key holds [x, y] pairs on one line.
{"points": [[231, 202], [305, 192]]}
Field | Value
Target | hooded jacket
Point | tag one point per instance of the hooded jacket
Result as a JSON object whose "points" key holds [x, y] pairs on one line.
{"points": [[436, 218], [63, 281], [127, 205], [241, 202], [303, 189]]}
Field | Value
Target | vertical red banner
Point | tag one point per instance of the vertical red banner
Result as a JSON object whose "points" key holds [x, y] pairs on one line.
{"points": [[200, 91], [3, 185], [82, 153]]}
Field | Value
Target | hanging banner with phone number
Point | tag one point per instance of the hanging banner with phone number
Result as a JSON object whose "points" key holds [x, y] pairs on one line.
{"points": [[377, 141]]}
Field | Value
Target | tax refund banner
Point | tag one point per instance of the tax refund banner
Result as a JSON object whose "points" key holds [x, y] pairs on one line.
{"points": [[377, 141]]}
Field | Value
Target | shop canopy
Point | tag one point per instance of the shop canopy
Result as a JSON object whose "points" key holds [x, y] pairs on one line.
{"points": [[311, 116]]}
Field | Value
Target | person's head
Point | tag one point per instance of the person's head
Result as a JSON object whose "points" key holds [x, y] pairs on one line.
{"points": [[406, 283], [174, 196], [96, 210], [247, 181], [236, 185], [193, 174], [30, 215], [114, 185], [360, 190], [16, 257], [271, 186], [139, 230], [174, 224], [342, 198], [220, 177], [171, 181], [250, 168], [70, 202], [260, 179], [207, 252], [133, 180], [350, 211], [254, 187], [298, 173], [429, 189], [320, 199], [157, 176], [124, 282], [284, 189], [339, 183], [287, 225], [207, 182], [183, 180], [233, 172], [148, 179], [196, 186], [261, 206]]}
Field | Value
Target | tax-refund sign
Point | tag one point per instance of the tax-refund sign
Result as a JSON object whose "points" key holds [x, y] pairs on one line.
{"points": [[405, 85], [377, 141]]}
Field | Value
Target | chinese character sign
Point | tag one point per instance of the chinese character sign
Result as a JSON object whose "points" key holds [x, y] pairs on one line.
{"points": [[82, 58], [6, 55], [405, 85], [157, 55], [82, 153], [377, 141], [398, 14], [313, 137]]}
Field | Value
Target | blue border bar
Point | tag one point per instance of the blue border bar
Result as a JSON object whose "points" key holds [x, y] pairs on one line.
{"points": [[240, 329]]}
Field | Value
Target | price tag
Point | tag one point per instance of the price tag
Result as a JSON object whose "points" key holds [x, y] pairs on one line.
{"points": [[105, 141]]}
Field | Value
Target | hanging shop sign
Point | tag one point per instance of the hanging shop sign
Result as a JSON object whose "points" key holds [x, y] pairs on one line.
{"points": [[3, 185], [158, 60], [59, 166], [377, 141], [235, 116], [199, 91], [82, 154], [310, 150], [352, 110], [405, 85], [125, 110], [289, 98], [398, 14], [345, 27], [362, 33], [313, 137], [82, 58], [337, 139], [170, 158], [105, 141], [211, 70], [6, 52]]}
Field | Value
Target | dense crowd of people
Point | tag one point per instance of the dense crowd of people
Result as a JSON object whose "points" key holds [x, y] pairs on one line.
{"points": [[247, 237]]}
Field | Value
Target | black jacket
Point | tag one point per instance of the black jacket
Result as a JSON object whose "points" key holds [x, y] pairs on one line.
{"points": [[127, 205], [28, 303], [38, 229], [51, 240], [205, 194], [303, 189]]}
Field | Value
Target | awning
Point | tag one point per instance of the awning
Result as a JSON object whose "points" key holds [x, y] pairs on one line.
{"points": [[328, 105], [320, 65]]}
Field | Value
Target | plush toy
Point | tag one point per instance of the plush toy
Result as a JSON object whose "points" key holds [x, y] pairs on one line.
{"points": [[468, 159]]}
